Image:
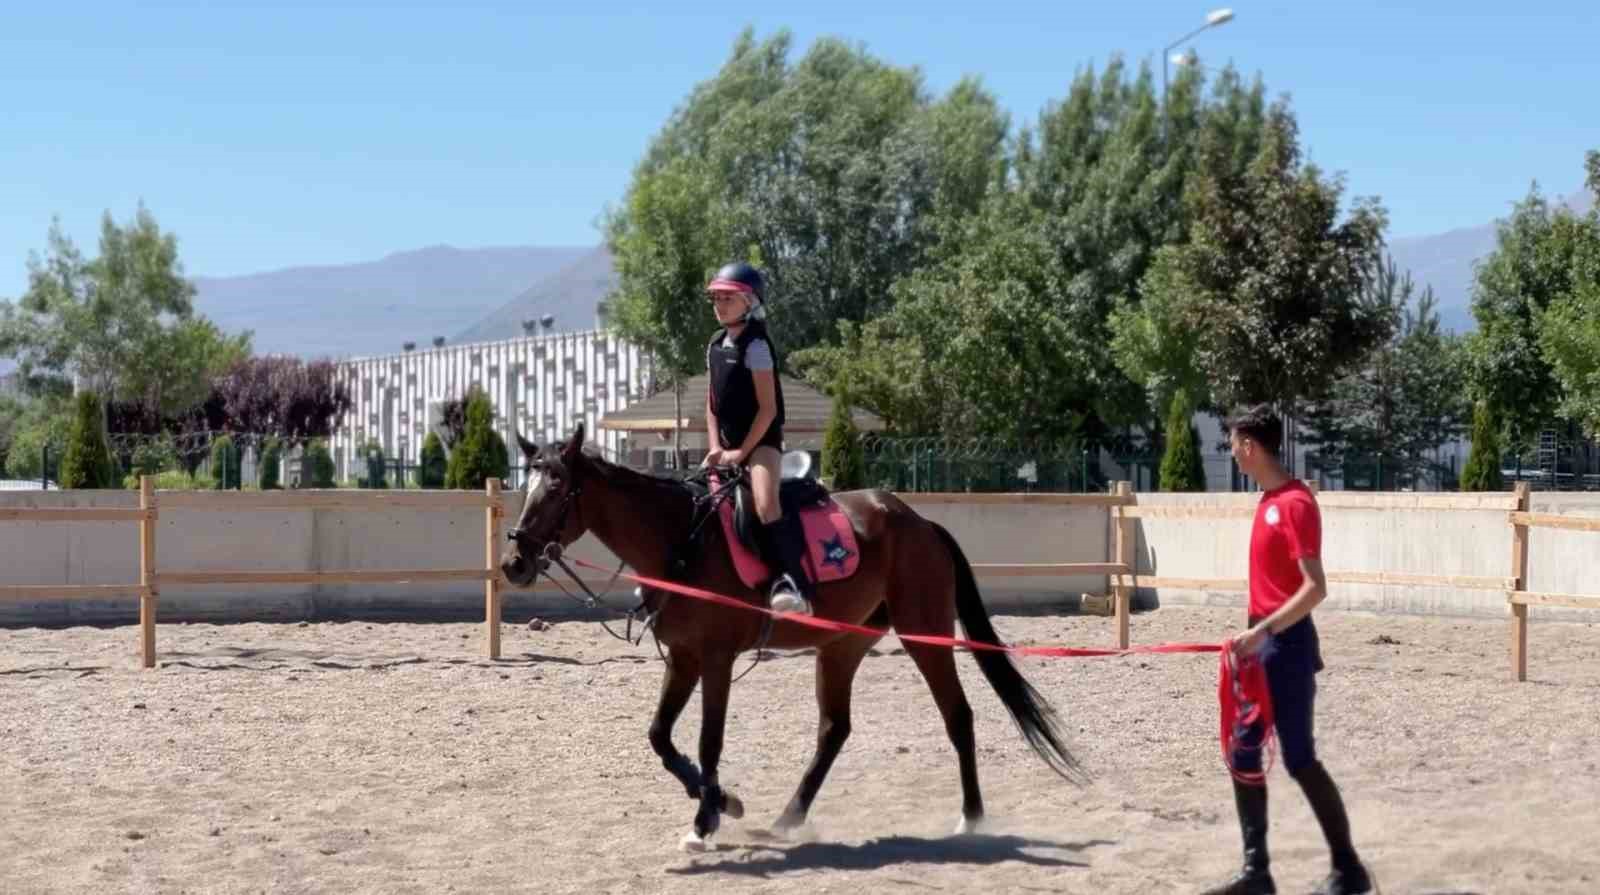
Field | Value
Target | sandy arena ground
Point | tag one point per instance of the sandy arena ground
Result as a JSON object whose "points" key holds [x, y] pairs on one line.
{"points": [[364, 757]]}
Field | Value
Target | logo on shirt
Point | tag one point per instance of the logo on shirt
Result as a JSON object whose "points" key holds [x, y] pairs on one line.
{"points": [[1272, 515]]}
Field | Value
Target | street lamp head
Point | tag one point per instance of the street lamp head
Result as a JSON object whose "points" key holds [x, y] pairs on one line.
{"points": [[1188, 58], [1219, 17]]}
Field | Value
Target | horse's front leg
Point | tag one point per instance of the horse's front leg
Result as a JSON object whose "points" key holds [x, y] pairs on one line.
{"points": [[683, 673], [716, 681]]}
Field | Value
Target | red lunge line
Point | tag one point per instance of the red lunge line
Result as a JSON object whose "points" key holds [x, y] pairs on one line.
{"points": [[1242, 691], [929, 639]]}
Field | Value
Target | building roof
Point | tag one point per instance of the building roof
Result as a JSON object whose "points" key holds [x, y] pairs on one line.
{"points": [[805, 410]]}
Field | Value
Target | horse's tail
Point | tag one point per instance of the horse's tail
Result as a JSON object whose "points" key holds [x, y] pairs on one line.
{"points": [[1031, 712]]}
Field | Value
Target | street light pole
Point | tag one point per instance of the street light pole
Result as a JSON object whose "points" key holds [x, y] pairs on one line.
{"points": [[1215, 18]]}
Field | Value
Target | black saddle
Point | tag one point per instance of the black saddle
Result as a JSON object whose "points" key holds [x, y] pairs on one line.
{"points": [[797, 490]]}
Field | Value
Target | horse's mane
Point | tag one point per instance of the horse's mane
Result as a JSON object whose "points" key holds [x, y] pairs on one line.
{"points": [[628, 479]]}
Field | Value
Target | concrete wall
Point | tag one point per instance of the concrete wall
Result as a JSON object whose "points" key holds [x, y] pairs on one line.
{"points": [[1416, 541], [1410, 540], [1025, 533], [193, 540]]}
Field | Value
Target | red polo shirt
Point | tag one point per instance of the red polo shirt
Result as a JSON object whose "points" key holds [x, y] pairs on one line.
{"points": [[1288, 528]]}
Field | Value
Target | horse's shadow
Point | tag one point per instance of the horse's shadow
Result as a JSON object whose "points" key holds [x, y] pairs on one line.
{"points": [[768, 854]]}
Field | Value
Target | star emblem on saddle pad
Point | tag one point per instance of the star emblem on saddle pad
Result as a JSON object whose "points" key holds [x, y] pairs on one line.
{"points": [[835, 553]]}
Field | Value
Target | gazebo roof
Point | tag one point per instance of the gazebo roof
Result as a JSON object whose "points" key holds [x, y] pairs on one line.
{"points": [[805, 410]]}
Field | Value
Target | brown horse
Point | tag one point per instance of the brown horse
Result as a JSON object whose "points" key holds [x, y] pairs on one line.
{"points": [[911, 575]]}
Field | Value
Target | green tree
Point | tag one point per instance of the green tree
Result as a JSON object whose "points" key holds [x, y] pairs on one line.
{"points": [[481, 453], [844, 463], [1271, 281], [376, 465], [225, 463], [1017, 309], [87, 462], [44, 421], [270, 463], [11, 411], [100, 320], [665, 245], [431, 471], [1569, 332], [1403, 400], [838, 168], [317, 469], [180, 370], [154, 456], [1482, 470], [1182, 466], [1540, 258]]}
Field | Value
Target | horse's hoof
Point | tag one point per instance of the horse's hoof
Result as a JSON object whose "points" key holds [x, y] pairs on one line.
{"points": [[731, 806], [694, 843], [969, 826]]}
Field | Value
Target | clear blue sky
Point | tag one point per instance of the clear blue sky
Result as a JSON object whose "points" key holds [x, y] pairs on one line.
{"points": [[292, 133]]}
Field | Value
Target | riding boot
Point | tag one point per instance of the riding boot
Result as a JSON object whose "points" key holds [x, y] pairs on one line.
{"points": [[1254, 878], [792, 591], [1348, 876]]}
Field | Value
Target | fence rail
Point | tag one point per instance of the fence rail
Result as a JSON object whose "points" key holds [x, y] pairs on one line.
{"points": [[1120, 565], [148, 589]]}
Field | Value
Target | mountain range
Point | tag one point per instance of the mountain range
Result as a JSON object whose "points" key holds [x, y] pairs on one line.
{"points": [[470, 295], [1445, 262], [375, 307]]}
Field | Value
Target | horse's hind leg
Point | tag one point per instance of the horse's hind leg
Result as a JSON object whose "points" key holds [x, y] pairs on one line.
{"points": [[938, 667], [836, 672]]}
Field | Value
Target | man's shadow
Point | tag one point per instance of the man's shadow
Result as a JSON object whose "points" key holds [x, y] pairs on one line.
{"points": [[768, 854]]}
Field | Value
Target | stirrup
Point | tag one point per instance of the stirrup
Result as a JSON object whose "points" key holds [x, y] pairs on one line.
{"points": [[785, 596]]}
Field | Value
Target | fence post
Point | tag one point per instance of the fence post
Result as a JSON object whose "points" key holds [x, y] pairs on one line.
{"points": [[147, 572], [1125, 545], [491, 584], [1519, 573]]}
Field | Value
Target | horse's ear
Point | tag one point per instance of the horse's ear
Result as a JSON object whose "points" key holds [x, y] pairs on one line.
{"points": [[575, 443], [529, 449]]}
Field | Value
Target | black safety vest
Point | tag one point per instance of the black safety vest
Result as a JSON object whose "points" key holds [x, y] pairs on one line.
{"points": [[733, 388]]}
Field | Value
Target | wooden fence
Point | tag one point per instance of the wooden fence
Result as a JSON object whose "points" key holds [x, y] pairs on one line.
{"points": [[1121, 566], [1518, 518], [151, 579]]}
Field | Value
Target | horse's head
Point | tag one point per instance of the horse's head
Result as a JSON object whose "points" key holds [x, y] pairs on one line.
{"points": [[550, 512]]}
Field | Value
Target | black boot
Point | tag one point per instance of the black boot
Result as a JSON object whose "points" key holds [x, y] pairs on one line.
{"points": [[1348, 877], [1254, 878], [792, 591]]}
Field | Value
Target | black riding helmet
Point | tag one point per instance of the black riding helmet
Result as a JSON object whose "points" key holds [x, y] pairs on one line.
{"points": [[741, 277]]}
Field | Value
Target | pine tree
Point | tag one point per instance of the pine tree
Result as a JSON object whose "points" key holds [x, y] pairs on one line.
{"points": [[1182, 468], [225, 463], [431, 473], [481, 454], [87, 461], [1482, 472], [317, 465], [377, 466], [843, 462], [271, 458]]}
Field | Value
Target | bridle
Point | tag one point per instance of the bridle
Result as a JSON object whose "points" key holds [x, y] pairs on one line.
{"points": [[550, 552]]}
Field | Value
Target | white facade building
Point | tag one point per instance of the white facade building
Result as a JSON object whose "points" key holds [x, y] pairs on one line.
{"points": [[541, 386]]}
